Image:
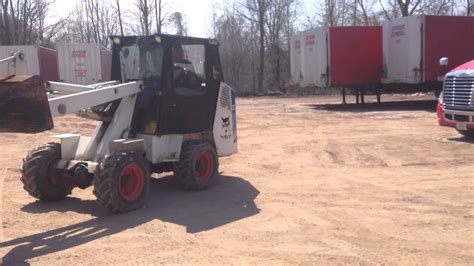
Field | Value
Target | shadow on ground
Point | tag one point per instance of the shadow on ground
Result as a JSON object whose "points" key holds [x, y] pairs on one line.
{"points": [[417, 105], [462, 140], [229, 200]]}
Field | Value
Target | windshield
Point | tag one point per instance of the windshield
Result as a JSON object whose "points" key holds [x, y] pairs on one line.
{"points": [[142, 63]]}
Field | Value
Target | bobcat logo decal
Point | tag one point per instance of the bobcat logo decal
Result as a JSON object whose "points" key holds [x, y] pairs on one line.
{"points": [[226, 128]]}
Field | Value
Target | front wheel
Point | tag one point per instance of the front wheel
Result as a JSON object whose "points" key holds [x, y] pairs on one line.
{"points": [[198, 166], [468, 134], [121, 182], [40, 177]]}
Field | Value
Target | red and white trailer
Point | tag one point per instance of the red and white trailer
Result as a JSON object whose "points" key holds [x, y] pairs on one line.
{"points": [[338, 56], [39, 60], [412, 47], [83, 64]]}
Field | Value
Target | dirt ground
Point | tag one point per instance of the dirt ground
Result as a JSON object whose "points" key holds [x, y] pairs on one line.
{"points": [[314, 182]]}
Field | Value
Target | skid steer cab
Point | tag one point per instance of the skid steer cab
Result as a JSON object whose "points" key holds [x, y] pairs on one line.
{"points": [[168, 109]]}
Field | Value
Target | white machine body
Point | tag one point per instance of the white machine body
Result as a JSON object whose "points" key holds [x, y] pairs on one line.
{"points": [[115, 135]]}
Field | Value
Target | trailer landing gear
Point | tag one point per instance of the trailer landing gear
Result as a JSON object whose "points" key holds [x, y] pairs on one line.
{"points": [[359, 94]]}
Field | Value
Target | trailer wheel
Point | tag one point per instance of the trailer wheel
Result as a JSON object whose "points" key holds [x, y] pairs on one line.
{"points": [[198, 166], [468, 134], [121, 182], [40, 177]]}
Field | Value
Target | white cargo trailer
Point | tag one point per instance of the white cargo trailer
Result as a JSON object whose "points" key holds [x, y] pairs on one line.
{"points": [[402, 50], [82, 63], [412, 47], [314, 59]]}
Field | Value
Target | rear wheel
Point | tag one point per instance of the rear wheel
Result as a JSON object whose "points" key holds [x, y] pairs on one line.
{"points": [[40, 177], [121, 182], [468, 134], [198, 165]]}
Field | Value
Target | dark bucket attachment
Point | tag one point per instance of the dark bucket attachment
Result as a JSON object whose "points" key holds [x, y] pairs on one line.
{"points": [[24, 106]]}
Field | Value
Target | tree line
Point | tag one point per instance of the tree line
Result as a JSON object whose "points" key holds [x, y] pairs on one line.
{"points": [[254, 34], [23, 22]]}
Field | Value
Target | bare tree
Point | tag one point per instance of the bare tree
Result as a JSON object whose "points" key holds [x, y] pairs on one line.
{"points": [[178, 21], [278, 17], [235, 50], [160, 15], [144, 13], [6, 38], [390, 9], [255, 12], [469, 7], [408, 7], [119, 17], [24, 22], [437, 7], [91, 21]]}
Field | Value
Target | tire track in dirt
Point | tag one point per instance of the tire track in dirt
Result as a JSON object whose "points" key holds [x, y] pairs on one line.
{"points": [[196, 247], [355, 251], [362, 253]]}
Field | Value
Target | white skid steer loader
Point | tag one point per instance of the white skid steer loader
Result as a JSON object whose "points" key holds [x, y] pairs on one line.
{"points": [[167, 110]]}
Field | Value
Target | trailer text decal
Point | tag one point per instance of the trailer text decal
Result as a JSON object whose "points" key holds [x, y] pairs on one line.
{"points": [[310, 40], [297, 44], [79, 54], [398, 31]]}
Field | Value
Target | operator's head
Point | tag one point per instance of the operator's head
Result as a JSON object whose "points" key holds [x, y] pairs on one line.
{"points": [[126, 52], [177, 52]]}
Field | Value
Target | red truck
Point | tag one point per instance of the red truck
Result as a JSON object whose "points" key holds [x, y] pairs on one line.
{"points": [[456, 102]]}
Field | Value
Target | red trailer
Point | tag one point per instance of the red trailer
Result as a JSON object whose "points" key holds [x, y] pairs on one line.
{"points": [[48, 61], [355, 56]]}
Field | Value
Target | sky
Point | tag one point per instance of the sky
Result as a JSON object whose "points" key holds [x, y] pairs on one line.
{"points": [[198, 13]]}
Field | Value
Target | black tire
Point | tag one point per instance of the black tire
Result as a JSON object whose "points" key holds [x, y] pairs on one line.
{"points": [[468, 134], [40, 177], [121, 182], [198, 166]]}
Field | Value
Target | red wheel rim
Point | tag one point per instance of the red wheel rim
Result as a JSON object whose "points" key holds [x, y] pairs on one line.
{"points": [[131, 182], [204, 165]]}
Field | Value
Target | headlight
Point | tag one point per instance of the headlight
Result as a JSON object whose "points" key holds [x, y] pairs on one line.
{"points": [[440, 98]]}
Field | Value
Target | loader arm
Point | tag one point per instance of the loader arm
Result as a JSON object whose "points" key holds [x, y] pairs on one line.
{"points": [[87, 96], [25, 107]]}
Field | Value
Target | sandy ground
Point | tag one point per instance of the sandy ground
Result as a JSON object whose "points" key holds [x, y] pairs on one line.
{"points": [[314, 183]]}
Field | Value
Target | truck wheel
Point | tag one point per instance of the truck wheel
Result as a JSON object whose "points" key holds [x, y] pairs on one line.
{"points": [[121, 182], [40, 177], [468, 134], [198, 166]]}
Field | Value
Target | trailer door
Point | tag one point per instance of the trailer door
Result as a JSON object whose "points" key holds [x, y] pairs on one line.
{"points": [[403, 50], [295, 58], [315, 57]]}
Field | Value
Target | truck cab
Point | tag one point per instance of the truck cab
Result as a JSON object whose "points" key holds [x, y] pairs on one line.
{"points": [[456, 102]]}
